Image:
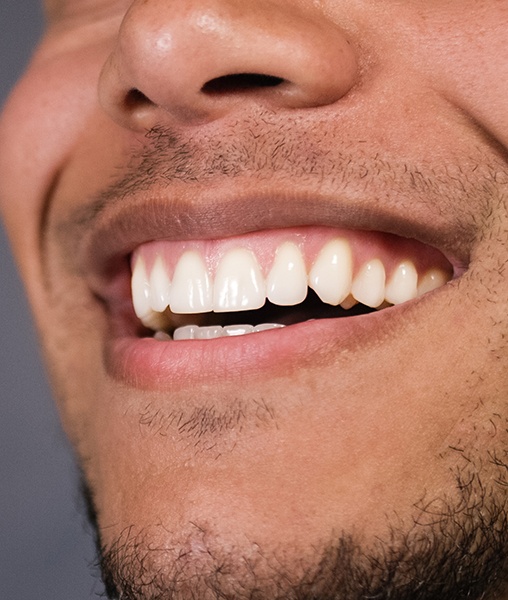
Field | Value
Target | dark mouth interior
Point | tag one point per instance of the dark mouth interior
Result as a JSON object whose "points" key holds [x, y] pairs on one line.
{"points": [[311, 308]]}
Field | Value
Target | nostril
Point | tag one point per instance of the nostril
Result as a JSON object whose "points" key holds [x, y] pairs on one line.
{"points": [[196, 62], [239, 82], [134, 99]]}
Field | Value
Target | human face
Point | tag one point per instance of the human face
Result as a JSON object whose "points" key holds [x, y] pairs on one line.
{"points": [[350, 144]]}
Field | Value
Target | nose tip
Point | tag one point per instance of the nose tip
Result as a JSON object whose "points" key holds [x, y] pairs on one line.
{"points": [[197, 60]]}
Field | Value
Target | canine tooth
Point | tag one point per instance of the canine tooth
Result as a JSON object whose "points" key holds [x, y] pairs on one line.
{"points": [[232, 330], [140, 287], [332, 273], [402, 284], [287, 281], [369, 284], [191, 289], [160, 286], [431, 280], [267, 326], [209, 333], [187, 332], [239, 283]]}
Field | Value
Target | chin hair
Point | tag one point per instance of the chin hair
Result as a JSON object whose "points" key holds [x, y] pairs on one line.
{"points": [[451, 551]]}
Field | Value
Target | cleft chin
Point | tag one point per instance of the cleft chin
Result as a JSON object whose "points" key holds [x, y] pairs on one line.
{"points": [[210, 288]]}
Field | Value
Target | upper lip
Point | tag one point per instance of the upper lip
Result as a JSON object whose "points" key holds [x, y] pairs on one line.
{"points": [[107, 236]]}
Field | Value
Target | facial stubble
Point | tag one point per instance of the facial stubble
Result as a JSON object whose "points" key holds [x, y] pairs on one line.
{"points": [[455, 547]]}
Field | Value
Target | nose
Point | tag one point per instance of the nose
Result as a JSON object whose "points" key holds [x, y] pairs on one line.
{"points": [[193, 61]]}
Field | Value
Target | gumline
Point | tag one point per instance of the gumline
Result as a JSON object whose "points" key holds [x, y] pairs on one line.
{"points": [[171, 321]]}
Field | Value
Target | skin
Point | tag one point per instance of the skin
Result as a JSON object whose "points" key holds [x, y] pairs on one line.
{"points": [[360, 436]]}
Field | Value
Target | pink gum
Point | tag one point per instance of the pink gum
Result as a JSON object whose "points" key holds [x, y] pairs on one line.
{"points": [[365, 246]]}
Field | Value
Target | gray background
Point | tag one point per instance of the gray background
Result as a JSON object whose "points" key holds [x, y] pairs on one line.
{"points": [[46, 550]]}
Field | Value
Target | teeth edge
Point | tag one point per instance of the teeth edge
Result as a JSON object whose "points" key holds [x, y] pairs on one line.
{"points": [[192, 290], [194, 332]]}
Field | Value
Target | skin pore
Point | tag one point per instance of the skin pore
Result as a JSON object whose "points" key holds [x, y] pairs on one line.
{"points": [[348, 458]]}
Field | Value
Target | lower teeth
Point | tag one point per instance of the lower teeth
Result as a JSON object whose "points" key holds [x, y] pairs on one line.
{"points": [[194, 332]]}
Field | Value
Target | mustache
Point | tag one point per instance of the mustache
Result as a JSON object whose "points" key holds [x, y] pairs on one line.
{"points": [[254, 149], [288, 155]]}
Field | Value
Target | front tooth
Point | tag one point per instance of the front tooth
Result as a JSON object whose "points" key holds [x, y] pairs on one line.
{"points": [[239, 283], [287, 281], [369, 284], [191, 289], [187, 332], [233, 330], [209, 333], [160, 286], [140, 286], [332, 273], [402, 284], [267, 327]]}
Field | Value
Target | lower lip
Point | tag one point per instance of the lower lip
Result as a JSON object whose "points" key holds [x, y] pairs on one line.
{"points": [[147, 363]]}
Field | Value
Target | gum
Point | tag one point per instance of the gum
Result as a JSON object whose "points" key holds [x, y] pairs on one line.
{"points": [[365, 246]]}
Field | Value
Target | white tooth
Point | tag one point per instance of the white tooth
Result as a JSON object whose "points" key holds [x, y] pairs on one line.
{"points": [[191, 289], [332, 273], [153, 320], [140, 287], [287, 281], [432, 280], [209, 333], [239, 283], [348, 302], [267, 327], [162, 336], [187, 332], [160, 286], [233, 330], [402, 284], [369, 284]]}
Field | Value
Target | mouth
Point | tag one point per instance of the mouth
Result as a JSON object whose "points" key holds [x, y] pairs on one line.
{"points": [[203, 290], [192, 290]]}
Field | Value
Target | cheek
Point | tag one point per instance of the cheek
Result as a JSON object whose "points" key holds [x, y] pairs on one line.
{"points": [[469, 66], [41, 124], [482, 92]]}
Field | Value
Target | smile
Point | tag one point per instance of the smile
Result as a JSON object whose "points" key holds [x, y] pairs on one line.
{"points": [[266, 285], [261, 281]]}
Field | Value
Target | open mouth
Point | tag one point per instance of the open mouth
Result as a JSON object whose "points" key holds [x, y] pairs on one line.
{"points": [[208, 289]]}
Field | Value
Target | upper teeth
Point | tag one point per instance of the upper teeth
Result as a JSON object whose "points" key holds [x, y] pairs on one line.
{"points": [[237, 282]]}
